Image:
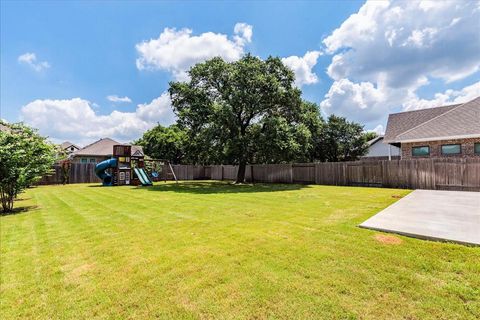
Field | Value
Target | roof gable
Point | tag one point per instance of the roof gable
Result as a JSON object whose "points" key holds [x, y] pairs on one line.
{"points": [[68, 144], [399, 123], [102, 147], [460, 120]]}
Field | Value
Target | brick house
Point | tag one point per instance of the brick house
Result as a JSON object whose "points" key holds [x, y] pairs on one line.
{"points": [[449, 131], [98, 151]]}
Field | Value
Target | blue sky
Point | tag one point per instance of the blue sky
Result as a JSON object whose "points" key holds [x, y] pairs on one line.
{"points": [[60, 61]]}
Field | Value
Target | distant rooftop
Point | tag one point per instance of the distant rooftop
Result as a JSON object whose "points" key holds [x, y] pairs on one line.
{"points": [[102, 147], [66, 144]]}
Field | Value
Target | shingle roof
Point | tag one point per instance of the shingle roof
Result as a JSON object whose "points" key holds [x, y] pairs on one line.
{"points": [[374, 140], [4, 128], [102, 147], [441, 123], [67, 144]]}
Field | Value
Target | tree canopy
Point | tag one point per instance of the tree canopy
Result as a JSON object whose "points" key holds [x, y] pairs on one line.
{"points": [[25, 157], [237, 112], [167, 143], [343, 140], [249, 111]]}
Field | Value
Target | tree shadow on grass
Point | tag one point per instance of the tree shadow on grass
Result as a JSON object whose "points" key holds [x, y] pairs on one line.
{"points": [[19, 210], [209, 187]]}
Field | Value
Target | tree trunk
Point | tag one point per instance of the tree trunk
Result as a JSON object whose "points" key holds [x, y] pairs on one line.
{"points": [[7, 200], [241, 172]]}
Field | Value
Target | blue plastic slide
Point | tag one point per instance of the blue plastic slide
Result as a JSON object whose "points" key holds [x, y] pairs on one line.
{"points": [[102, 174], [143, 177]]}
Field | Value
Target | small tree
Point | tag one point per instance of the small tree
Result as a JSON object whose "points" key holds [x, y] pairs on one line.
{"points": [[25, 157], [167, 143], [231, 110]]}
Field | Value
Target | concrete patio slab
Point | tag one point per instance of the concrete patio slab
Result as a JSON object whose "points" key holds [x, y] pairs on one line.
{"points": [[434, 215]]}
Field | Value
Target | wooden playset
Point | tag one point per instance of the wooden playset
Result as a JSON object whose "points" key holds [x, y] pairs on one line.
{"points": [[126, 168]]}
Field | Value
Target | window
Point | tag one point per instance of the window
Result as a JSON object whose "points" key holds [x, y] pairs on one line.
{"points": [[92, 160], [83, 160], [451, 149], [477, 148], [421, 151]]}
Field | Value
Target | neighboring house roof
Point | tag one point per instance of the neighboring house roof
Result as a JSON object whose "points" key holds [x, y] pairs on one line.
{"points": [[4, 128], [441, 123], [68, 144], [102, 147], [374, 140]]}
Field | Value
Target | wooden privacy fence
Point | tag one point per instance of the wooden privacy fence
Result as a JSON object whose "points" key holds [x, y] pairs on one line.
{"points": [[79, 173], [436, 174]]}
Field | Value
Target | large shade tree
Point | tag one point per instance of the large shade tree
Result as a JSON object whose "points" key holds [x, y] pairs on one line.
{"points": [[25, 157], [242, 111]]}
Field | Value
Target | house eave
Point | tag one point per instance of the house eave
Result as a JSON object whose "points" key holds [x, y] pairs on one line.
{"points": [[465, 136]]}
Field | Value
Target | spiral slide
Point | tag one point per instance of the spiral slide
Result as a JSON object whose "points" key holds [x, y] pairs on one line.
{"points": [[100, 170]]}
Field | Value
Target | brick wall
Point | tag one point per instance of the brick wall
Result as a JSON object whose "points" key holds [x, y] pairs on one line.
{"points": [[467, 148]]}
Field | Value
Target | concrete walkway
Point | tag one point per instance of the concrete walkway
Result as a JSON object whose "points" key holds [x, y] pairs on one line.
{"points": [[434, 215]]}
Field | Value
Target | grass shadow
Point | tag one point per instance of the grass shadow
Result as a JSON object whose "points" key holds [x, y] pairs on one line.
{"points": [[19, 210], [209, 187]]}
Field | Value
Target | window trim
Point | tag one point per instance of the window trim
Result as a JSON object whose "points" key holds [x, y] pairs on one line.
{"points": [[423, 155], [475, 144], [83, 160], [450, 144]]}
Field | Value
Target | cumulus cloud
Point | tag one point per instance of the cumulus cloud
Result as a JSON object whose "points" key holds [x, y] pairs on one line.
{"points": [[115, 98], [379, 130], [77, 121], [401, 42], [30, 59], [243, 33], [441, 99], [302, 67], [176, 51], [348, 99], [385, 52]]}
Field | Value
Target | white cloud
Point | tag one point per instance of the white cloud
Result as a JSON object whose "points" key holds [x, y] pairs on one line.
{"points": [[302, 67], [358, 101], [115, 98], [441, 99], [399, 42], [379, 130], [30, 59], [243, 33], [384, 53], [76, 120], [158, 110], [176, 51]]}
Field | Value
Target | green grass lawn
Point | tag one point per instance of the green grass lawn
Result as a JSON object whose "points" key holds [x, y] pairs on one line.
{"points": [[214, 250]]}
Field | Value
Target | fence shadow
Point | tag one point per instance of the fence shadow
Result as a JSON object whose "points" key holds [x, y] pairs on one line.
{"points": [[209, 187]]}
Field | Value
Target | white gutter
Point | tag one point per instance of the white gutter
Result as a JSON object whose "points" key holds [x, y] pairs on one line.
{"points": [[465, 136]]}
